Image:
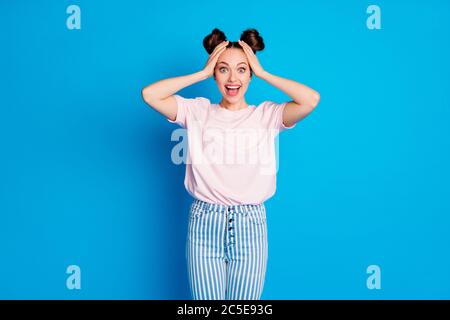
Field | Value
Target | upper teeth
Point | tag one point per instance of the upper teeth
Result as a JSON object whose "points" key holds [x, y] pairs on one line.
{"points": [[232, 87]]}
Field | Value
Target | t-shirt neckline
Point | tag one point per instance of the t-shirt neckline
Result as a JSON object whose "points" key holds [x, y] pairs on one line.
{"points": [[218, 106]]}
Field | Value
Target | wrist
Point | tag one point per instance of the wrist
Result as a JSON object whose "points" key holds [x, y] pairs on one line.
{"points": [[202, 74], [263, 75]]}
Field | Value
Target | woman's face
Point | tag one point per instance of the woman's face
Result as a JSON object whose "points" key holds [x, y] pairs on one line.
{"points": [[232, 69]]}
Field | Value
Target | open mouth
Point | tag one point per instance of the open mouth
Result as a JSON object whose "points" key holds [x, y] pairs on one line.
{"points": [[232, 90]]}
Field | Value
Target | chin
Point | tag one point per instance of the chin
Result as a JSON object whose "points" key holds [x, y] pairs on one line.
{"points": [[232, 99]]}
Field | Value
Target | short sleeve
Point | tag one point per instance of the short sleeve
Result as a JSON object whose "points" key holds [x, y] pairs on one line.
{"points": [[188, 109], [275, 111]]}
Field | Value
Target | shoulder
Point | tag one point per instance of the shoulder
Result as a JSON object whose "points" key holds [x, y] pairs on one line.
{"points": [[189, 102], [271, 114], [270, 107]]}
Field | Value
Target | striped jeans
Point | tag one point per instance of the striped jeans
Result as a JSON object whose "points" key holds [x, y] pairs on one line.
{"points": [[226, 251]]}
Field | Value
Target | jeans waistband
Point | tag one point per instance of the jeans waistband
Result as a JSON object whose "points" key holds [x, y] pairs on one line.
{"points": [[221, 208]]}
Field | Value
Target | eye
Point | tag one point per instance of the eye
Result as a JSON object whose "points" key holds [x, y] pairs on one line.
{"points": [[221, 68], [242, 69]]}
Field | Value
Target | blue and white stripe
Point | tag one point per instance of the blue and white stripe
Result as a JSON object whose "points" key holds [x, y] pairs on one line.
{"points": [[226, 251]]}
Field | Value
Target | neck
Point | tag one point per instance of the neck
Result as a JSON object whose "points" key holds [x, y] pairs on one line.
{"points": [[234, 106]]}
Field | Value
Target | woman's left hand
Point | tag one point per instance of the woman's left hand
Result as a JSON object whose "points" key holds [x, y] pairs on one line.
{"points": [[252, 59]]}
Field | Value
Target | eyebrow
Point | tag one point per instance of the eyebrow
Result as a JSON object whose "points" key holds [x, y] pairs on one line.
{"points": [[228, 64]]}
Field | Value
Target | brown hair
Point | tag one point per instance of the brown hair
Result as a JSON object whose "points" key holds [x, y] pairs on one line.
{"points": [[249, 36]]}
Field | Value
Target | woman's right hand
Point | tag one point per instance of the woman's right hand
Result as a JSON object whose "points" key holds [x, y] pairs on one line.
{"points": [[208, 70]]}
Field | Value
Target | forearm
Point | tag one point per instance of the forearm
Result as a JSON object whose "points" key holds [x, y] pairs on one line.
{"points": [[164, 88], [299, 93]]}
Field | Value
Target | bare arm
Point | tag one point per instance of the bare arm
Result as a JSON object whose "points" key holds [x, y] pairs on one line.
{"points": [[159, 95], [304, 98]]}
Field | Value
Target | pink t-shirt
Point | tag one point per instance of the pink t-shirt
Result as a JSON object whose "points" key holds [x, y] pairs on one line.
{"points": [[232, 155]]}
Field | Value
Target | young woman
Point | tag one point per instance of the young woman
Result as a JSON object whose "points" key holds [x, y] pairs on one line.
{"points": [[231, 164]]}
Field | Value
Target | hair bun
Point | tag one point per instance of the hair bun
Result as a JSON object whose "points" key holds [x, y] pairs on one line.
{"points": [[213, 39], [253, 39]]}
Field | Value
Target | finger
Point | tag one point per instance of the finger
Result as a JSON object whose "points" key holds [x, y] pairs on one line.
{"points": [[222, 44], [248, 49], [215, 57], [219, 51], [247, 52], [250, 52], [244, 45]]}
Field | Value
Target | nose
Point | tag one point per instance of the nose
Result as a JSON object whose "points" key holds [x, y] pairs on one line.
{"points": [[232, 77]]}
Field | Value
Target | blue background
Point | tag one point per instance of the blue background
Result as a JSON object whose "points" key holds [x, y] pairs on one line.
{"points": [[86, 176]]}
